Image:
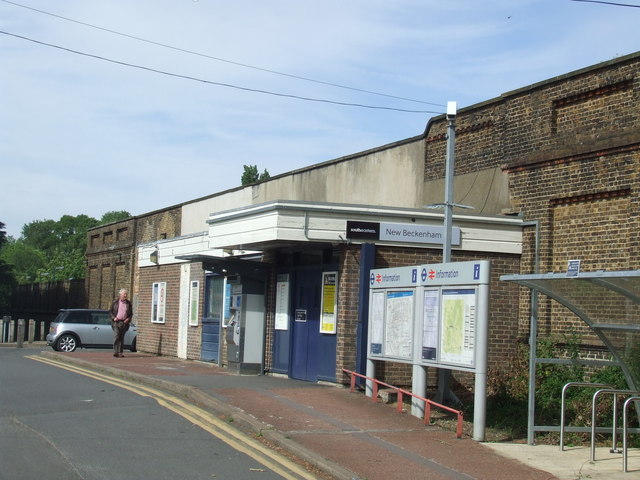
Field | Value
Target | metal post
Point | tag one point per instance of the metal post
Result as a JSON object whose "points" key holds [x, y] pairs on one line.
{"points": [[32, 330], [418, 387], [533, 356], [533, 340], [5, 329], [371, 373], [20, 338], [12, 330], [480, 391], [448, 178], [624, 431], [443, 374], [615, 414]]}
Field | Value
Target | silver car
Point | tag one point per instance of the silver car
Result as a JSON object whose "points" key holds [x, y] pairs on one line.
{"points": [[87, 328]]}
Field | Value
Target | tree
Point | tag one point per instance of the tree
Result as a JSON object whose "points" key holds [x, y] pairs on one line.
{"points": [[114, 216], [7, 279], [26, 260], [50, 250], [251, 175], [39, 234]]}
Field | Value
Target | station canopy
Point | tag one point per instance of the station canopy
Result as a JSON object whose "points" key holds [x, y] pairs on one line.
{"points": [[608, 302]]}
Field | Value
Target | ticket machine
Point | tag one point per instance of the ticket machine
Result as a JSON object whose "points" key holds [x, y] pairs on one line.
{"points": [[246, 328]]}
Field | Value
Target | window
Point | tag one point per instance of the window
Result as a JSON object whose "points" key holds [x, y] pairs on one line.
{"points": [[158, 297], [78, 317], [194, 296], [122, 233], [101, 319]]}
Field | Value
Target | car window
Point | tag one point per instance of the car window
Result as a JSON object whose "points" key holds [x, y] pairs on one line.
{"points": [[102, 318], [77, 317]]}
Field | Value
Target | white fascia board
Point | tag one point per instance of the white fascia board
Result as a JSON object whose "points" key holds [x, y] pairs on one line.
{"points": [[169, 249], [305, 222]]}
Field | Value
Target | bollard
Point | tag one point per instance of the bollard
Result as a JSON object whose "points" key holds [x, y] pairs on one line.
{"points": [[11, 331], [5, 329], [32, 330], [20, 339]]}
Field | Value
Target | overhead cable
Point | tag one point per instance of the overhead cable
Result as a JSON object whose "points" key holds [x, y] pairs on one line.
{"points": [[164, 45], [615, 4], [228, 85]]}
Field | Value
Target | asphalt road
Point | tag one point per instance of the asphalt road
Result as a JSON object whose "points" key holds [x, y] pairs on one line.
{"points": [[57, 424]]}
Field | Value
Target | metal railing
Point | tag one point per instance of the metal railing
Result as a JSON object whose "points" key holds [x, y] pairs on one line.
{"points": [[563, 404], [594, 415], [625, 428], [401, 392], [608, 390]]}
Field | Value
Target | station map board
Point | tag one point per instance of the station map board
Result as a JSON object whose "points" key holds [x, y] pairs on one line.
{"points": [[429, 314]]}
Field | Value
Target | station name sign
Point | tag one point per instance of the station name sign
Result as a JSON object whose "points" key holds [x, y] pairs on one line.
{"points": [[400, 232]]}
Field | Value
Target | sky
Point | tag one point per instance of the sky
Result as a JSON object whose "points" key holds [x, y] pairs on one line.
{"points": [[137, 105]]}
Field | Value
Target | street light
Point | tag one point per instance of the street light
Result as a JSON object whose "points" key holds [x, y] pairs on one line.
{"points": [[448, 182]]}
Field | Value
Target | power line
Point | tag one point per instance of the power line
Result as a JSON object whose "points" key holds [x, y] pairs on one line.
{"points": [[615, 4], [209, 82], [297, 77]]}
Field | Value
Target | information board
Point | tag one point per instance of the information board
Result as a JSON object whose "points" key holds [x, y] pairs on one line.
{"points": [[376, 322], [398, 332], [431, 323], [282, 302], [329, 302], [458, 330], [429, 314]]}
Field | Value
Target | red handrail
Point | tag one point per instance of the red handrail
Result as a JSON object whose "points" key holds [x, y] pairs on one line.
{"points": [[401, 392]]}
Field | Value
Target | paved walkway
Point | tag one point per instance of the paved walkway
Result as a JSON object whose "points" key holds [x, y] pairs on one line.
{"points": [[346, 435]]}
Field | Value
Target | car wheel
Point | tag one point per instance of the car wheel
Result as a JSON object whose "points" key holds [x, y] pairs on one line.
{"points": [[67, 343], [133, 346]]}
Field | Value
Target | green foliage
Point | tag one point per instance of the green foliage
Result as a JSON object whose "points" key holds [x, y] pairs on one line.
{"points": [[251, 175], [114, 216], [507, 402], [7, 279], [50, 250], [39, 234], [25, 259]]}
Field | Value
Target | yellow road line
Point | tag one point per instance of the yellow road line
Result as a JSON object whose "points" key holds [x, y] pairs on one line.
{"points": [[200, 417]]}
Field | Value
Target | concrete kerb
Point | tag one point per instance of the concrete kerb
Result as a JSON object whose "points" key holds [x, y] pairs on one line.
{"points": [[241, 420]]}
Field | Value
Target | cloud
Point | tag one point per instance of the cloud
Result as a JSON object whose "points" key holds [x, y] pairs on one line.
{"points": [[83, 135]]}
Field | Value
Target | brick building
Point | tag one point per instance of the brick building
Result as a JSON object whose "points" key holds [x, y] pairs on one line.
{"points": [[559, 157]]}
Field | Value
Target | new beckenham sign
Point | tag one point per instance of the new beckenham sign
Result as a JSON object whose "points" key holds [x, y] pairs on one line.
{"points": [[400, 232]]}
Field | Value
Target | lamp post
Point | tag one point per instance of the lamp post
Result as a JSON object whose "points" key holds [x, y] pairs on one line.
{"points": [[450, 160], [448, 179], [448, 204]]}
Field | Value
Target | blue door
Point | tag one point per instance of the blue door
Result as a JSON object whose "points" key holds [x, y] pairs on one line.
{"points": [[313, 354], [212, 320]]}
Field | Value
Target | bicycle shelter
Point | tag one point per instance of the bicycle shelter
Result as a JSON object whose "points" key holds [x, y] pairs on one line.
{"points": [[607, 302]]}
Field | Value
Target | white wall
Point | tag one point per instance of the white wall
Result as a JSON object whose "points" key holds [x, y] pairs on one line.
{"points": [[391, 175]]}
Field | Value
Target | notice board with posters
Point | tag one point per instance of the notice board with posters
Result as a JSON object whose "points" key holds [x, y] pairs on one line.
{"points": [[430, 314], [392, 303]]}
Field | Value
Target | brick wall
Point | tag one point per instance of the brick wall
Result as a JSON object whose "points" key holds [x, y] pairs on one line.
{"points": [[347, 326], [571, 148], [159, 338], [112, 255], [504, 330]]}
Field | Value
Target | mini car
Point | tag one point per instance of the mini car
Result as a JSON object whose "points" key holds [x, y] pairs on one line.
{"points": [[85, 328]]}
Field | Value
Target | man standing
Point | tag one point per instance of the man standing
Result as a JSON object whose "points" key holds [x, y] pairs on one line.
{"points": [[121, 314]]}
